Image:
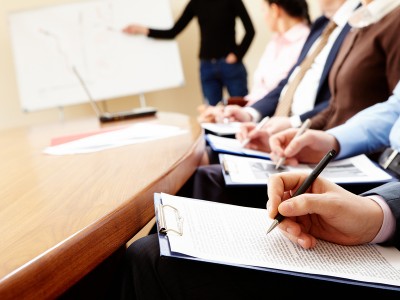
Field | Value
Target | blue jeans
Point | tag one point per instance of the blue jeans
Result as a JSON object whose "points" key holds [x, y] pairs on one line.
{"points": [[216, 74]]}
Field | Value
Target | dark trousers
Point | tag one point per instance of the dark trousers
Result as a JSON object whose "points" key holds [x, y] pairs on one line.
{"points": [[208, 183], [216, 75], [149, 276]]}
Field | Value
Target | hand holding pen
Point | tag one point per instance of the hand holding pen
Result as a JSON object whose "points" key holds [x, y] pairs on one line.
{"points": [[326, 212], [212, 114], [306, 183], [306, 124], [220, 112], [258, 127]]}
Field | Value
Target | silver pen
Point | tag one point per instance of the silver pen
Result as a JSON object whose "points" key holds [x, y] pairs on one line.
{"points": [[306, 124], [224, 103]]}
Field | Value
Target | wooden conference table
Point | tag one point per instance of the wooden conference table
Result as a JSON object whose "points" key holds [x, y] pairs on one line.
{"points": [[61, 216]]}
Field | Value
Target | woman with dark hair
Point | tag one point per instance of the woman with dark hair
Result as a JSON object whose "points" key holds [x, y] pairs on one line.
{"points": [[289, 22]]}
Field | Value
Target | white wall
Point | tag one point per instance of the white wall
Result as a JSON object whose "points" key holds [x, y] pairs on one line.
{"points": [[183, 99]]}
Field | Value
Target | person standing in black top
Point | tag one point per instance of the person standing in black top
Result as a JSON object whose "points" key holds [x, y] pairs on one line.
{"points": [[221, 64]]}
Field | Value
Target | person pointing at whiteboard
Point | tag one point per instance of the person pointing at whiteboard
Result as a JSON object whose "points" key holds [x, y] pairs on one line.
{"points": [[221, 64]]}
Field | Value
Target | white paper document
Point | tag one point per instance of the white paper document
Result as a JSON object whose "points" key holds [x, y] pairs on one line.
{"points": [[237, 235], [232, 146], [137, 133], [230, 128], [357, 169]]}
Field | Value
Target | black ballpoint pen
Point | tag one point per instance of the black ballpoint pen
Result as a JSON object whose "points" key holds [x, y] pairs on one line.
{"points": [[306, 184]]}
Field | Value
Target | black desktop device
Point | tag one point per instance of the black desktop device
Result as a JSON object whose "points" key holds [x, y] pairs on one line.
{"points": [[105, 117], [130, 114]]}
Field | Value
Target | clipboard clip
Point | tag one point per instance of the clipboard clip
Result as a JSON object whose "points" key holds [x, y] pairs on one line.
{"points": [[164, 210]]}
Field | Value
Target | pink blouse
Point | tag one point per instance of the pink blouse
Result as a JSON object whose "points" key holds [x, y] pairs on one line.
{"points": [[280, 55]]}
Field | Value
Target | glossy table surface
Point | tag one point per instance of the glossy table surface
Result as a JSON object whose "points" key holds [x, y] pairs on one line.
{"points": [[63, 215]]}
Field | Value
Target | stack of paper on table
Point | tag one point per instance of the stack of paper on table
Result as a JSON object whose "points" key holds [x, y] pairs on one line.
{"points": [[240, 170], [108, 139], [221, 144], [236, 235]]}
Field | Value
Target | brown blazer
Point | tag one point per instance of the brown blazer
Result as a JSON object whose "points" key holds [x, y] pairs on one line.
{"points": [[365, 71]]}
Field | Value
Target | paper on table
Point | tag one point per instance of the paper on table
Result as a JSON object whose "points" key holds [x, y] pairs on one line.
{"points": [[73, 137], [230, 128], [357, 169], [137, 133], [237, 235]]}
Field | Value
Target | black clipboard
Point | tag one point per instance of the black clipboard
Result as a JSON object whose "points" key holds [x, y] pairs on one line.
{"points": [[227, 175], [219, 148], [165, 250], [356, 187]]}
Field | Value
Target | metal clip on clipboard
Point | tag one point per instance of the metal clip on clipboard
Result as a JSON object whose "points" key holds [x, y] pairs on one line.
{"points": [[162, 212]]}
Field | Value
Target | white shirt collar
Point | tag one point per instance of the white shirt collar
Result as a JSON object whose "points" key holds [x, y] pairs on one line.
{"points": [[372, 12], [342, 15]]}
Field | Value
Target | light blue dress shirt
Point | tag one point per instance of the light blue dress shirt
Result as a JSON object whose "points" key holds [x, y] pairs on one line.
{"points": [[372, 129]]}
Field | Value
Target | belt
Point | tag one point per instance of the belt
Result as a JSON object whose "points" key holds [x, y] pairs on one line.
{"points": [[213, 60], [390, 160]]}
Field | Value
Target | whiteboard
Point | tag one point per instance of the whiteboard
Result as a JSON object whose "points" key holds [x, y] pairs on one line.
{"points": [[48, 42]]}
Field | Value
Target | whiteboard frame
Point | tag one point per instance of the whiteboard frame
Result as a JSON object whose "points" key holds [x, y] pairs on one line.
{"points": [[47, 42]]}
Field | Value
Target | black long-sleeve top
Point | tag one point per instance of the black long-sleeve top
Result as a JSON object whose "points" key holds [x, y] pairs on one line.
{"points": [[217, 20]]}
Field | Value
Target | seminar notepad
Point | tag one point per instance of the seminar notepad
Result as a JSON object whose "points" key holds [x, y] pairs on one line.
{"points": [[236, 235], [240, 170]]}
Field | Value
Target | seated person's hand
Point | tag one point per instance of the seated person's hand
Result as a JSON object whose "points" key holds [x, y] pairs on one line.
{"points": [[326, 212], [276, 124], [209, 113], [258, 138], [219, 113], [244, 130], [309, 147], [236, 113]]}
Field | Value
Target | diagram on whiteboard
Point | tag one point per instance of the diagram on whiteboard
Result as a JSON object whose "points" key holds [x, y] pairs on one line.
{"points": [[48, 42]]}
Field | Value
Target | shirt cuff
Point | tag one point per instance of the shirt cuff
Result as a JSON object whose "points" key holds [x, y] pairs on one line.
{"points": [[349, 146], [255, 115], [389, 222], [295, 121]]}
